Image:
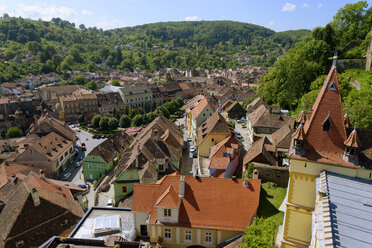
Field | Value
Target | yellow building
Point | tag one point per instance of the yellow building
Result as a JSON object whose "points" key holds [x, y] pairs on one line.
{"points": [[211, 132], [323, 142], [136, 96], [80, 102], [182, 211]]}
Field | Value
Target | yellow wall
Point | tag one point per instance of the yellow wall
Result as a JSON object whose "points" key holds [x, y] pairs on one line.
{"points": [[208, 143], [173, 218], [302, 197], [197, 236]]}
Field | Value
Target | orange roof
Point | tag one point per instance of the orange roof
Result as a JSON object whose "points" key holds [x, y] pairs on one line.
{"points": [[199, 107], [325, 146], [184, 86], [301, 118], [353, 140], [3, 101], [51, 145], [216, 158], [229, 206], [299, 134], [169, 198]]}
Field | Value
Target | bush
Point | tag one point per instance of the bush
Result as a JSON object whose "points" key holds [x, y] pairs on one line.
{"points": [[13, 132], [103, 123], [133, 112], [94, 183], [95, 121], [113, 124], [138, 120], [124, 121]]}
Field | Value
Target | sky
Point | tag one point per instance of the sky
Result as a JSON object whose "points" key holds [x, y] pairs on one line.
{"points": [[277, 15]]}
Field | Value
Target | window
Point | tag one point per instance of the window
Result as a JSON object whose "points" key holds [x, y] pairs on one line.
{"points": [[225, 154], [89, 166], [161, 167], [124, 189], [66, 153], [19, 243], [61, 158], [327, 125], [64, 222], [168, 234], [131, 176], [212, 140], [167, 212], [91, 177], [332, 87], [208, 237], [188, 236]]}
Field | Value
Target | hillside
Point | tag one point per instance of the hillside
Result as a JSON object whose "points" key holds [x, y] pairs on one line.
{"points": [[36, 47]]}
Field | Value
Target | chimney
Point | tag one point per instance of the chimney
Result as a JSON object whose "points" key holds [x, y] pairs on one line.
{"points": [[233, 178], [14, 179], [35, 197], [138, 151], [182, 186], [255, 174], [155, 135]]}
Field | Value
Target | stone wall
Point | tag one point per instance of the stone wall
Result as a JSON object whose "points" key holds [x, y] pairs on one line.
{"points": [[345, 64], [278, 175]]}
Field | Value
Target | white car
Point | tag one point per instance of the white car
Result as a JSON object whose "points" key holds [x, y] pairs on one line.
{"points": [[192, 149], [110, 203]]}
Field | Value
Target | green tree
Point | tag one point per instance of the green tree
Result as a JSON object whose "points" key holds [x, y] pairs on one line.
{"points": [[80, 80], [133, 112], [115, 83], [113, 123], [137, 120], [115, 113], [150, 116], [13, 132], [92, 85], [96, 120], [124, 121], [103, 123], [259, 234]]}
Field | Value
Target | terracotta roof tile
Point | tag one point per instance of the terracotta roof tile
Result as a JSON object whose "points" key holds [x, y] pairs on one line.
{"points": [[202, 207], [219, 157], [169, 198], [259, 153], [353, 140], [215, 124]]}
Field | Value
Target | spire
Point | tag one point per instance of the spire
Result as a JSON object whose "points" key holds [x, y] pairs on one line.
{"points": [[335, 59], [352, 146], [353, 139], [302, 117], [299, 140]]}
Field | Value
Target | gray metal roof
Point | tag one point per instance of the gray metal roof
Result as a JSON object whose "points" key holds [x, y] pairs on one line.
{"points": [[350, 201]]}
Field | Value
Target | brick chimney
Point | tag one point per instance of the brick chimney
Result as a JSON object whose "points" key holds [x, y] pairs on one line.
{"points": [[35, 197], [182, 186]]}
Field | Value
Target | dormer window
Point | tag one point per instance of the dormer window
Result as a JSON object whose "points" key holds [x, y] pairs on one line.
{"points": [[327, 123], [167, 212], [332, 87]]}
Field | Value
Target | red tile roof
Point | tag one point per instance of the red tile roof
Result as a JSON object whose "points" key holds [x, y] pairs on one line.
{"points": [[229, 206], [199, 107], [353, 140], [169, 198], [326, 146], [216, 158], [184, 86]]}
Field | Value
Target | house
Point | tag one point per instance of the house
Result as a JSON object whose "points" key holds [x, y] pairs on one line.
{"points": [[11, 89], [212, 131], [185, 211], [197, 110], [187, 91], [53, 149], [232, 110], [107, 101], [156, 151], [46, 124], [136, 96], [102, 157], [33, 210], [323, 144], [77, 105], [157, 97], [262, 122], [256, 103], [50, 95], [224, 158], [170, 91]]}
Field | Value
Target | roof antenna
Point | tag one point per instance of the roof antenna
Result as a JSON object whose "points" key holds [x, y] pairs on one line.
{"points": [[335, 59]]}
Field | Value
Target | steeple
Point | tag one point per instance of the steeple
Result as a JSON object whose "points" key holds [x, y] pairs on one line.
{"points": [[352, 146], [334, 59], [346, 120], [299, 140], [301, 119]]}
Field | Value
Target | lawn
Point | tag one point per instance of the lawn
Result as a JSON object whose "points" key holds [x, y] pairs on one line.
{"points": [[262, 233]]}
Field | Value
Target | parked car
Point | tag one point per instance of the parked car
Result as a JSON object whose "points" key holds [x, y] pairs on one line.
{"points": [[105, 187], [78, 130], [83, 186], [94, 136], [110, 203], [83, 147], [66, 176], [192, 149], [99, 136], [188, 139], [244, 125], [77, 164]]}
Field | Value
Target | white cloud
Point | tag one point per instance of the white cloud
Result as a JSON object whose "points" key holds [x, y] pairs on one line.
{"points": [[306, 5], [109, 24], [271, 23], [86, 12], [320, 5], [45, 12], [191, 18], [288, 7], [2, 8]]}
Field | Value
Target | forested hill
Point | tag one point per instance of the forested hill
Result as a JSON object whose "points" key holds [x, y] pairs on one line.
{"points": [[59, 46]]}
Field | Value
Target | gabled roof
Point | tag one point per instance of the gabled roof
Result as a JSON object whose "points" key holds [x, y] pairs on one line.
{"points": [[215, 124], [255, 104], [227, 104], [51, 146], [299, 134], [326, 146], [257, 113], [199, 107], [111, 147], [184, 86], [259, 152], [169, 198], [216, 158], [353, 140], [202, 207], [19, 205], [282, 137]]}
